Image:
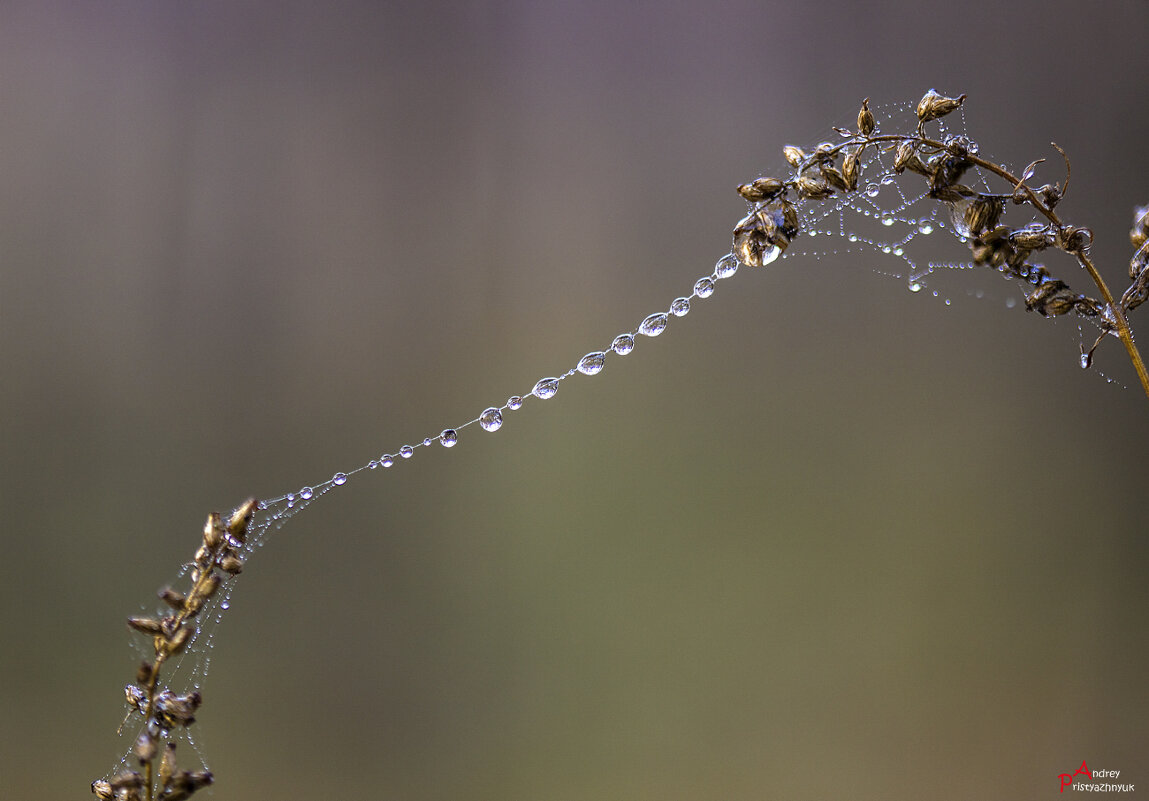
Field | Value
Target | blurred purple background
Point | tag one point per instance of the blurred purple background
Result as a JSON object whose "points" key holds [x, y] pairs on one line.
{"points": [[822, 539]]}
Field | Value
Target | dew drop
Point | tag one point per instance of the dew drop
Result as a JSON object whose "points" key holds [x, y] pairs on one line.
{"points": [[887, 220], [406, 451], [925, 228], [623, 344], [653, 325], [680, 307], [886, 249], [899, 252], [225, 605], [374, 463], [887, 180], [426, 442], [339, 479], [514, 403], [1010, 302], [592, 363], [491, 419], [263, 506], [704, 287], [872, 190], [290, 499], [1086, 360], [726, 266], [852, 237], [306, 493], [448, 438], [915, 287], [387, 460], [546, 388]]}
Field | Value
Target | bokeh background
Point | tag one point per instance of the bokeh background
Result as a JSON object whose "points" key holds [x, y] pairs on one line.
{"points": [[822, 539]]}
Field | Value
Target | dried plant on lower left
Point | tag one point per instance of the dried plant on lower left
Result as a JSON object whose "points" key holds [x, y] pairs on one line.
{"points": [[162, 709]]}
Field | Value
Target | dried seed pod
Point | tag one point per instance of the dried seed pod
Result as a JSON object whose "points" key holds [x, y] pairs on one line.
{"points": [[1137, 292], [835, 178], [761, 189], [172, 710], [852, 170], [952, 194], [1139, 233], [866, 124], [1034, 236], [103, 790], [1050, 195], [933, 105], [902, 157], [172, 598], [168, 765], [144, 672], [231, 563], [996, 235], [760, 237], [145, 747], [126, 780], [983, 213], [793, 155], [203, 556], [1051, 299], [147, 625], [213, 531], [178, 641], [240, 519], [1075, 239], [1140, 261], [813, 188], [136, 697]]}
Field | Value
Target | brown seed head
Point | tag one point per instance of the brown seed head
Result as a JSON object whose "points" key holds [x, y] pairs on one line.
{"points": [[103, 790], [793, 155], [933, 105], [983, 213], [147, 625], [835, 178], [866, 124], [1075, 239], [1139, 233], [851, 170], [213, 531], [1034, 236], [761, 189], [813, 188], [241, 518]]}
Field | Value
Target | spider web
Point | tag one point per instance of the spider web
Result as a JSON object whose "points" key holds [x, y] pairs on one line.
{"points": [[886, 225]]}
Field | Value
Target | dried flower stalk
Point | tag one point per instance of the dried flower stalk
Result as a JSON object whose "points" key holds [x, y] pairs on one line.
{"points": [[772, 223], [162, 709]]}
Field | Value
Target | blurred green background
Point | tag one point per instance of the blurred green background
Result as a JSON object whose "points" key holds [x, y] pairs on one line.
{"points": [[822, 539]]}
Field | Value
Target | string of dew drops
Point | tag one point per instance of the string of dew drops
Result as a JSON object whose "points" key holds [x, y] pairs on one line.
{"points": [[491, 418]]}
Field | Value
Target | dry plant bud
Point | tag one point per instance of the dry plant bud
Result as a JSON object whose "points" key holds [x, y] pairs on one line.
{"points": [[983, 213], [145, 748], [147, 625], [203, 556], [144, 672], [1034, 236], [241, 519], [1050, 195], [835, 178], [137, 698], [126, 780], [761, 189], [852, 170], [231, 563], [172, 598], [1139, 233], [1075, 239], [866, 122], [178, 641], [1052, 299], [168, 764], [813, 188], [793, 155], [933, 106], [172, 710], [213, 531], [103, 790]]}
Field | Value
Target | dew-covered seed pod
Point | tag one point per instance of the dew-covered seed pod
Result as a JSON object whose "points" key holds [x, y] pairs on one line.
{"points": [[933, 105]]}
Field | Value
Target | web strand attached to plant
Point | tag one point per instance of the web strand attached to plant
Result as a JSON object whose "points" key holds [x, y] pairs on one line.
{"points": [[880, 220]]}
